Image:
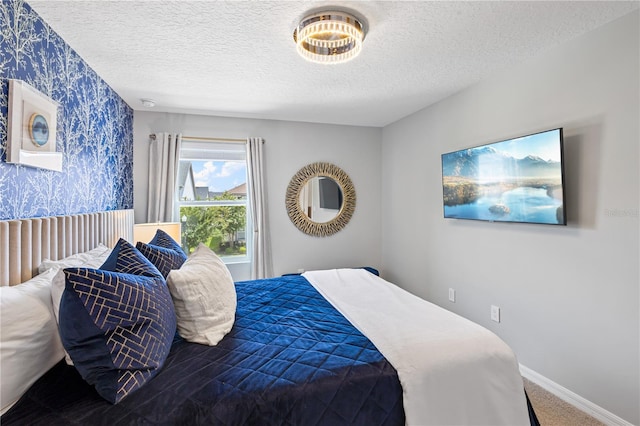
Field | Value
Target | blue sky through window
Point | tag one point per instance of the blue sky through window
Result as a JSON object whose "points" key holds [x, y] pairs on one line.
{"points": [[219, 176]]}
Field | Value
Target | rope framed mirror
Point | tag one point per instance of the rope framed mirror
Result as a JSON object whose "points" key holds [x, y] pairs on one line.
{"points": [[320, 199]]}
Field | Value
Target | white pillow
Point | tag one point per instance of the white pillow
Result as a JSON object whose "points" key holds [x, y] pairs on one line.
{"points": [[204, 297], [29, 340], [91, 259], [78, 259]]}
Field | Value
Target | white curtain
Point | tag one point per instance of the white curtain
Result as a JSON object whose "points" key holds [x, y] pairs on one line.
{"points": [[261, 264], [164, 156]]}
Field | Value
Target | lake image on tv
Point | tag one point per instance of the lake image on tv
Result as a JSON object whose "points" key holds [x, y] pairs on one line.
{"points": [[518, 180], [523, 204]]}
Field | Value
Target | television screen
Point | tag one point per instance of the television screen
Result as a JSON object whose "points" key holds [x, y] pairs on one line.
{"points": [[330, 194], [515, 180]]}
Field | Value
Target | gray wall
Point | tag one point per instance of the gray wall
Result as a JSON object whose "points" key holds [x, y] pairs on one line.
{"points": [[569, 295], [289, 146]]}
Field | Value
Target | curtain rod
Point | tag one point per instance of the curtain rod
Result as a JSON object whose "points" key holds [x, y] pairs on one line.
{"points": [[196, 138]]}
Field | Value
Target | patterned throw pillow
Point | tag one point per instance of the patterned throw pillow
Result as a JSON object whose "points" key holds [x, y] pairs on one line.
{"points": [[118, 325], [164, 252], [162, 239]]}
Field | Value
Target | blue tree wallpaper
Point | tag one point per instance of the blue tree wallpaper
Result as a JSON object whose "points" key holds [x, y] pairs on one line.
{"points": [[95, 126]]}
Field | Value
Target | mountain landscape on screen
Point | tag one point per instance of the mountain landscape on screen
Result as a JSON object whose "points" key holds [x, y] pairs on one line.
{"points": [[474, 163], [516, 180]]}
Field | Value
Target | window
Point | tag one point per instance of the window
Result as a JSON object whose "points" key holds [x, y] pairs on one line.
{"points": [[212, 198]]}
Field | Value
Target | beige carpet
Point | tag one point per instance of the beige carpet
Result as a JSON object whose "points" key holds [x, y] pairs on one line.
{"points": [[552, 411]]}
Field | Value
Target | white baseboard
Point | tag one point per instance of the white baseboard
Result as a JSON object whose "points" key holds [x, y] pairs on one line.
{"points": [[574, 399]]}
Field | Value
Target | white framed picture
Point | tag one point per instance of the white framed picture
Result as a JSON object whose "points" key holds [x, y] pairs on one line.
{"points": [[32, 128]]}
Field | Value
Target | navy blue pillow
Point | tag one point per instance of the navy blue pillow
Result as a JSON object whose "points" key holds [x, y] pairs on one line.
{"points": [[117, 326], [110, 263], [127, 267], [165, 259], [162, 239], [164, 252]]}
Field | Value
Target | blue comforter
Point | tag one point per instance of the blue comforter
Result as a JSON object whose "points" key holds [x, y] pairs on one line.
{"points": [[290, 359]]}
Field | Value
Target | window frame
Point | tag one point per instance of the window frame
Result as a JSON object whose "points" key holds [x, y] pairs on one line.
{"points": [[193, 150]]}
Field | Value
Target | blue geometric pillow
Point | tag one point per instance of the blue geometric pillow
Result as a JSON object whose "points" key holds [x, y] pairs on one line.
{"points": [[126, 265], [162, 239], [165, 259], [164, 252], [117, 326]]}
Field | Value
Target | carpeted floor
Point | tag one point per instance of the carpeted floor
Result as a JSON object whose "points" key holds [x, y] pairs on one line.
{"points": [[552, 411]]}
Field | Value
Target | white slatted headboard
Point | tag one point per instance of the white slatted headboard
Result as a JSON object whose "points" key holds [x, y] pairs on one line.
{"points": [[24, 243]]}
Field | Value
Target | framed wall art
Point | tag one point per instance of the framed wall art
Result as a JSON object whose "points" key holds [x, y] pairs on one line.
{"points": [[31, 139]]}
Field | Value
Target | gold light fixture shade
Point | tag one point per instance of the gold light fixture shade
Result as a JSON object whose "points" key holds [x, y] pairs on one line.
{"points": [[329, 37]]}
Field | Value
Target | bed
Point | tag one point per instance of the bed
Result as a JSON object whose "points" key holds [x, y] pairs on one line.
{"points": [[322, 348]]}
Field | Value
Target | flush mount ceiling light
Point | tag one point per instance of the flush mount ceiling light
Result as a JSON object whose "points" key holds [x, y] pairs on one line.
{"points": [[329, 37]]}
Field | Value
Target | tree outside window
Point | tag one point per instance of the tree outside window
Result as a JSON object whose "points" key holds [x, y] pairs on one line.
{"points": [[212, 193]]}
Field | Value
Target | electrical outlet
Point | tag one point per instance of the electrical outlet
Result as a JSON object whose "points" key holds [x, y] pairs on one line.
{"points": [[495, 313], [452, 295]]}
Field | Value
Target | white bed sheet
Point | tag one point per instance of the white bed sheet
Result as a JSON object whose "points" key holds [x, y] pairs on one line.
{"points": [[452, 371]]}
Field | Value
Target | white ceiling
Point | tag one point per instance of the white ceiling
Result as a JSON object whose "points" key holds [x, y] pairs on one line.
{"points": [[238, 58]]}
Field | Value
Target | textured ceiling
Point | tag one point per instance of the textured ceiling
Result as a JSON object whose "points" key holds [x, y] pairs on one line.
{"points": [[238, 58]]}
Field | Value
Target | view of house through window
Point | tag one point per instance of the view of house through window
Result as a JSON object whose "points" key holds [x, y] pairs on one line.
{"points": [[212, 198]]}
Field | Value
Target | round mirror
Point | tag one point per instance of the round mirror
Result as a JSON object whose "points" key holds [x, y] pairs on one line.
{"points": [[320, 199]]}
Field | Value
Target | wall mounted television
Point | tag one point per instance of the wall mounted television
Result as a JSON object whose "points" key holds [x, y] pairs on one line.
{"points": [[330, 194], [514, 180]]}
